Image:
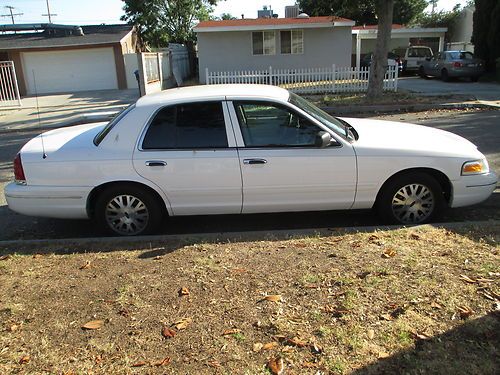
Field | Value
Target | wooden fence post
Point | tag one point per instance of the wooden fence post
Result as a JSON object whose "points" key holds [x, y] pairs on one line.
{"points": [[207, 82]]}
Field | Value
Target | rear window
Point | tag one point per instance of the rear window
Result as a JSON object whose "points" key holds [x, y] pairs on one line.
{"points": [[419, 52], [104, 132], [461, 55], [187, 126]]}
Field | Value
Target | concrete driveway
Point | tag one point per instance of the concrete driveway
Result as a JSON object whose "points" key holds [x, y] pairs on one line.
{"points": [[434, 86]]}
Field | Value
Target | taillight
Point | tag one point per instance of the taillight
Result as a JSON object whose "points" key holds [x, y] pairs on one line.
{"points": [[18, 169], [457, 64]]}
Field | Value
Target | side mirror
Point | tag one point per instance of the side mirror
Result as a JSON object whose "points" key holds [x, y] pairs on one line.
{"points": [[323, 139]]}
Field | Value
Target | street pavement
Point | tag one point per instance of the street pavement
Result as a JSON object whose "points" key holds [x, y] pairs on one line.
{"points": [[479, 126], [483, 91]]}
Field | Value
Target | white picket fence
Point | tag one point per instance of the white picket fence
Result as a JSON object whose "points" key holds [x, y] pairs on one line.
{"points": [[9, 90], [307, 80]]}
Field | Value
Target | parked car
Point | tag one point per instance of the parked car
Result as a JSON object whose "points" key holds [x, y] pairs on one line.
{"points": [[392, 59], [453, 64], [413, 57], [231, 149]]}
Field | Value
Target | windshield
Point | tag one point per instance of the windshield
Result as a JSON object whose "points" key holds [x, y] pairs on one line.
{"points": [[419, 52], [329, 121], [461, 55], [104, 132]]}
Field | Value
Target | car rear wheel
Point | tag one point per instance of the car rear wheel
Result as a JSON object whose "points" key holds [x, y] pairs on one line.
{"points": [[444, 75], [128, 211], [411, 199]]}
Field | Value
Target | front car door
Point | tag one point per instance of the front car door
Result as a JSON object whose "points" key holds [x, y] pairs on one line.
{"points": [[282, 167], [188, 152]]}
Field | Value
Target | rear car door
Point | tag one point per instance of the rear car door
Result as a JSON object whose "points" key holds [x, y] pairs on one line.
{"points": [[282, 167], [188, 152]]}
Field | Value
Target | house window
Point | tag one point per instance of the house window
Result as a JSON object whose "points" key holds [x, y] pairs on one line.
{"points": [[263, 43], [292, 42]]}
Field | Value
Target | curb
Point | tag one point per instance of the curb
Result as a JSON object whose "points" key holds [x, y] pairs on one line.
{"points": [[282, 234]]}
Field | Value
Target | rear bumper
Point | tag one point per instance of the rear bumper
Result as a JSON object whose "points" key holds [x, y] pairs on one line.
{"points": [[465, 72], [48, 201], [470, 190]]}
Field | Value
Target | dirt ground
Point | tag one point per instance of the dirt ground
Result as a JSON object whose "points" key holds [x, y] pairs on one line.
{"points": [[412, 301]]}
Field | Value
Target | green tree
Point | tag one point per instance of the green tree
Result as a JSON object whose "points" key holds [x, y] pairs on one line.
{"points": [[486, 31], [227, 16], [162, 21], [363, 11]]}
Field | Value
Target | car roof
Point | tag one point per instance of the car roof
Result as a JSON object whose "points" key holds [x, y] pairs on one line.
{"points": [[215, 91]]}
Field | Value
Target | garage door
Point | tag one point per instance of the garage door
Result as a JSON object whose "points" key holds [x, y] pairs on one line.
{"points": [[70, 70]]}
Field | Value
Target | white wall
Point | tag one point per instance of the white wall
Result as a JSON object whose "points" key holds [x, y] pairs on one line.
{"points": [[131, 65]]}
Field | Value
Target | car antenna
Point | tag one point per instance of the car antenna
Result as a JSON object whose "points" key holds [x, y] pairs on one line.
{"points": [[44, 155]]}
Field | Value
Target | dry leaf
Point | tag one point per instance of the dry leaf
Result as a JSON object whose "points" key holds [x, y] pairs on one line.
{"points": [[270, 345], [168, 332], [5, 257], [24, 359], [467, 279], [371, 334], [183, 323], [389, 253], [436, 305], [465, 312], [165, 361], [421, 336], [86, 265], [386, 317], [414, 236], [310, 365], [383, 355], [484, 280], [295, 341], [239, 270], [273, 298], [93, 324], [215, 364], [13, 327], [184, 292], [276, 366], [231, 331], [257, 347], [139, 364], [316, 349]]}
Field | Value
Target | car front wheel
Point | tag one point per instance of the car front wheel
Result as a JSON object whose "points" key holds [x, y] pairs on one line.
{"points": [[411, 199], [128, 211]]}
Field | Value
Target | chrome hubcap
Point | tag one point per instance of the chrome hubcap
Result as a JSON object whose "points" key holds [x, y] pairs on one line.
{"points": [[413, 204], [127, 214]]}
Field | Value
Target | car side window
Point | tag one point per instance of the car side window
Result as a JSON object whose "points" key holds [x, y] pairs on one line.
{"points": [[265, 124], [187, 126]]}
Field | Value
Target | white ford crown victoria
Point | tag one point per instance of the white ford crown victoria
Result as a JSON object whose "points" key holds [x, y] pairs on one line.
{"points": [[233, 149]]}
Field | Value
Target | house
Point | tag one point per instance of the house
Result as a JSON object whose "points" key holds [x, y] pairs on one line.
{"points": [[364, 39], [280, 43], [62, 58], [461, 33]]}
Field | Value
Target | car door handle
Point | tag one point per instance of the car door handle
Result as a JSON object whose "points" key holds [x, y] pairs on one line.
{"points": [[254, 161], [156, 163]]}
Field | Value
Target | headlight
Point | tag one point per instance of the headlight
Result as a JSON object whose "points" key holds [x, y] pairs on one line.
{"points": [[475, 167]]}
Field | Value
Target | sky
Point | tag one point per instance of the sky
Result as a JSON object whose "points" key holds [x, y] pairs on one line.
{"points": [[109, 11]]}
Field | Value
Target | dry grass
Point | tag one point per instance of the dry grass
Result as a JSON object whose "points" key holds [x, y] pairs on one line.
{"points": [[383, 302]]}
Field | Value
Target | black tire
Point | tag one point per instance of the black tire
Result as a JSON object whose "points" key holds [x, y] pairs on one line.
{"points": [[444, 76], [421, 72], [474, 78], [147, 219], [391, 190]]}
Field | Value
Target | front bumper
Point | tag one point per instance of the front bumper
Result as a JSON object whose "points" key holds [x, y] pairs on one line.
{"points": [[470, 190], [48, 201]]}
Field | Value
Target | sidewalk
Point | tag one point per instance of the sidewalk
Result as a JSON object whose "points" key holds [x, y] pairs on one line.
{"points": [[64, 109]]}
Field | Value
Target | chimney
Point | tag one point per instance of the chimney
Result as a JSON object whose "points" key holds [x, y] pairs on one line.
{"points": [[242, 16]]}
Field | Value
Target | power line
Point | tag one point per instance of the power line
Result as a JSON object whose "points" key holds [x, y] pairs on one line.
{"points": [[12, 14]]}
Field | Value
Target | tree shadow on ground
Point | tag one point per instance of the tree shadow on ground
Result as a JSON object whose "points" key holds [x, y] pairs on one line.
{"points": [[471, 348]]}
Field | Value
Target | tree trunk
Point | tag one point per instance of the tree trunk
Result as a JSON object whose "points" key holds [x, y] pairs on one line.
{"points": [[384, 10]]}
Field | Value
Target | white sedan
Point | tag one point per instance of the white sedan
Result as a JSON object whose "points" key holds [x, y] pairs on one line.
{"points": [[231, 149]]}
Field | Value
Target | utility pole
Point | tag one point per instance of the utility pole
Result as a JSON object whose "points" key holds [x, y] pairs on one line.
{"points": [[434, 5], [12, 14], [48, 13]]}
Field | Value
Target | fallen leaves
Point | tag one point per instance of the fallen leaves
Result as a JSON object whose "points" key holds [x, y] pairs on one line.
{"points": [[295, 341], [184, 292], [273, 298], [139, 364], [370, 334], [87, 265], [276, 365], [182, 323], [5, 257], [165, 361], [24, 359], [270, 345], [467, 279], [389, 253], [465, 312], [168, 333], [436, 305], [231, 331], [93, 324]]}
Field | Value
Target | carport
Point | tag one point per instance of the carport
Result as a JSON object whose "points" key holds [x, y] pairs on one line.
{"points": [[364, 38]]}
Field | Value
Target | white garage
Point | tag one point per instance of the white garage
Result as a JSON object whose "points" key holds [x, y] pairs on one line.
{"points": [[70, 70]]}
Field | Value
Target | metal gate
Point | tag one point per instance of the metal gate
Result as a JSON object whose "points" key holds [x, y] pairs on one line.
{"points": [[9, 91]]}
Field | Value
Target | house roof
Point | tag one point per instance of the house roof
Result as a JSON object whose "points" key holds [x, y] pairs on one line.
{"points": [[271, 23], [375, 27], [370, 31], [93, 35]]}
